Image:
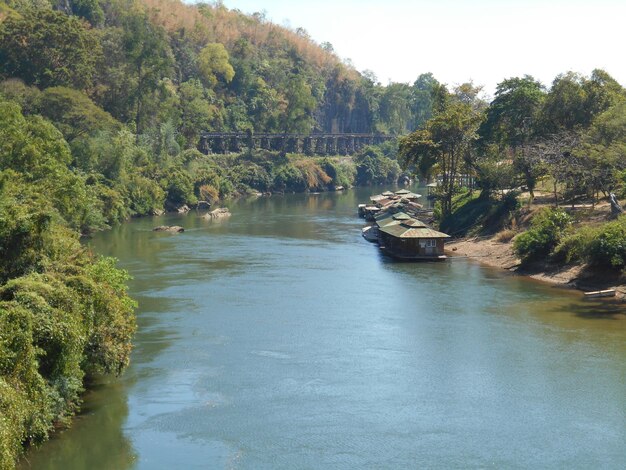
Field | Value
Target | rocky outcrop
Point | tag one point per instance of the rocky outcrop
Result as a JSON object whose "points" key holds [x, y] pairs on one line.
{"points": [[169, 228], [217, 214]]}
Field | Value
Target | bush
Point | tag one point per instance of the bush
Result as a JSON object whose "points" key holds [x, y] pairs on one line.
{"points": [[179, 188], [145, 195], [251, 175], [57, 327], [608, 246], [372, 167], [314, 177], [546, 231], [506, 235], [574, 247], [289, 178]]}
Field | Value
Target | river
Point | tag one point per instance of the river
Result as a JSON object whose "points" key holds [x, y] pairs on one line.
{"points": [[280, 339]]}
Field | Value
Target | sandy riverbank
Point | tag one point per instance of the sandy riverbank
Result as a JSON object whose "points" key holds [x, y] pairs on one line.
{"points": [[491, 252]]}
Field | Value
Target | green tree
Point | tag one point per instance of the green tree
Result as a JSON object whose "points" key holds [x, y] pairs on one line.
{"points": [[446, 139], [73, 113], [213, 62], [196, 111], [150, 60], [422, 99], [88, 9], [298, 113], [48, 48], [394, 109], [513, 111]]}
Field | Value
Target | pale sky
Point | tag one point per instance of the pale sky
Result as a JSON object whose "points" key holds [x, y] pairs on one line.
{"points": [[482, 40]]}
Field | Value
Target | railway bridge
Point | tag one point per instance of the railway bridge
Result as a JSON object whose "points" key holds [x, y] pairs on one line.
{"points": [[308, 144]]}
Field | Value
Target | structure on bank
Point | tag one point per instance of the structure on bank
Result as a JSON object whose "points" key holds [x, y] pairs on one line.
{"points": [[311, 144]]}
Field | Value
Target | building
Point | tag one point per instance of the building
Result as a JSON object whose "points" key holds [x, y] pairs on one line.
{"points": [[404, 237]]}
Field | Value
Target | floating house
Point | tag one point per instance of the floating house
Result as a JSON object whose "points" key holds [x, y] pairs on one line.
{"points": [[410, 239], [432, 189]]}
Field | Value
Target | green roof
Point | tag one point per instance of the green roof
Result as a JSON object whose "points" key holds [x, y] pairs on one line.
{"points": [[407, 230], [390, 218], [403, 191]]}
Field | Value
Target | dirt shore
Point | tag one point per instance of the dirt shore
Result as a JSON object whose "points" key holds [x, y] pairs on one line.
{"points": [[491, 252]]}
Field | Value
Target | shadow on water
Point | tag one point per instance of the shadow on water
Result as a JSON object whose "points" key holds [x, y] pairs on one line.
{"points": [[96, 438], [599, 310]]}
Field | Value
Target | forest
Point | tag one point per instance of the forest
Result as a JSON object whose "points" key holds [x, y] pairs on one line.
{"points": [[102, 103]]}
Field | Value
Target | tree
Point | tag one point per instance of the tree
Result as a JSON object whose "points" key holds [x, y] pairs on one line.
{"points": [[512, 112], [88, 9], [73, 113], [298, 113], [446, 139], [48, 48], [196, 111], [150, 60], [394, 110], [422, 102], [574, 100], [214, 63]]}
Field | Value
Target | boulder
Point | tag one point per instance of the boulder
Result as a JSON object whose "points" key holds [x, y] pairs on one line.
{"points": [[158, 212], [169, 228], [219, 213], [183, 209]]}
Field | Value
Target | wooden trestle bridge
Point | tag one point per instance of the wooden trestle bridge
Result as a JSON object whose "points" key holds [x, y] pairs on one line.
{"points": [[308, 144]]}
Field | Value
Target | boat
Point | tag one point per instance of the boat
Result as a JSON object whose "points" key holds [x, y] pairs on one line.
{"points": [[600, 293], [370, 233], [361, 210]]}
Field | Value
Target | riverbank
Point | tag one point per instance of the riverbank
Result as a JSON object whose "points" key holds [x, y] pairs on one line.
{"points": [[491, 252]]}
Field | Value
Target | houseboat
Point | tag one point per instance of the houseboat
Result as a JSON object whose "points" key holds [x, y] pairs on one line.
{"points": [[411, 239]]}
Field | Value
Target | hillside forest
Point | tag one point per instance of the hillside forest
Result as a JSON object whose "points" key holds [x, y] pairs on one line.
{"points": [[102, 103]]}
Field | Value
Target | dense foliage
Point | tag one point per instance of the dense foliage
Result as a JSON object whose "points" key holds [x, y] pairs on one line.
{"points": [[546, 231], [64, 313]]}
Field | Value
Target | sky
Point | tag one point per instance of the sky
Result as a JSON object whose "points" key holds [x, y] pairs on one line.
{"points": [[484, 41]]}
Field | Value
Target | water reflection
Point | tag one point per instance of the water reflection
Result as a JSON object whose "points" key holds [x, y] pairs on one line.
{"points": [[96, 438]]}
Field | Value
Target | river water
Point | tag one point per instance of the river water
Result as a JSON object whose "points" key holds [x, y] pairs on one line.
{"points": [[281, 339]]}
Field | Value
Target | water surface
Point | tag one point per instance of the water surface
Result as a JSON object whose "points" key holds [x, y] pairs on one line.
{"points": [[281, 339]]}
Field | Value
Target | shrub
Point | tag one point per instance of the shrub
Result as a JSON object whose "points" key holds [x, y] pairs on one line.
{"points": [[608, 247], [209, 193], [574, 246], [312, 174], [506, 235], [145, 195], [251, 175], [289, 178], [179, 188], [372, 167], [544, 235]]}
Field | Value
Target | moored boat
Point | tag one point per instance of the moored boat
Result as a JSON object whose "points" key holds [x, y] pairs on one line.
{"points": [[600, 293]]}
